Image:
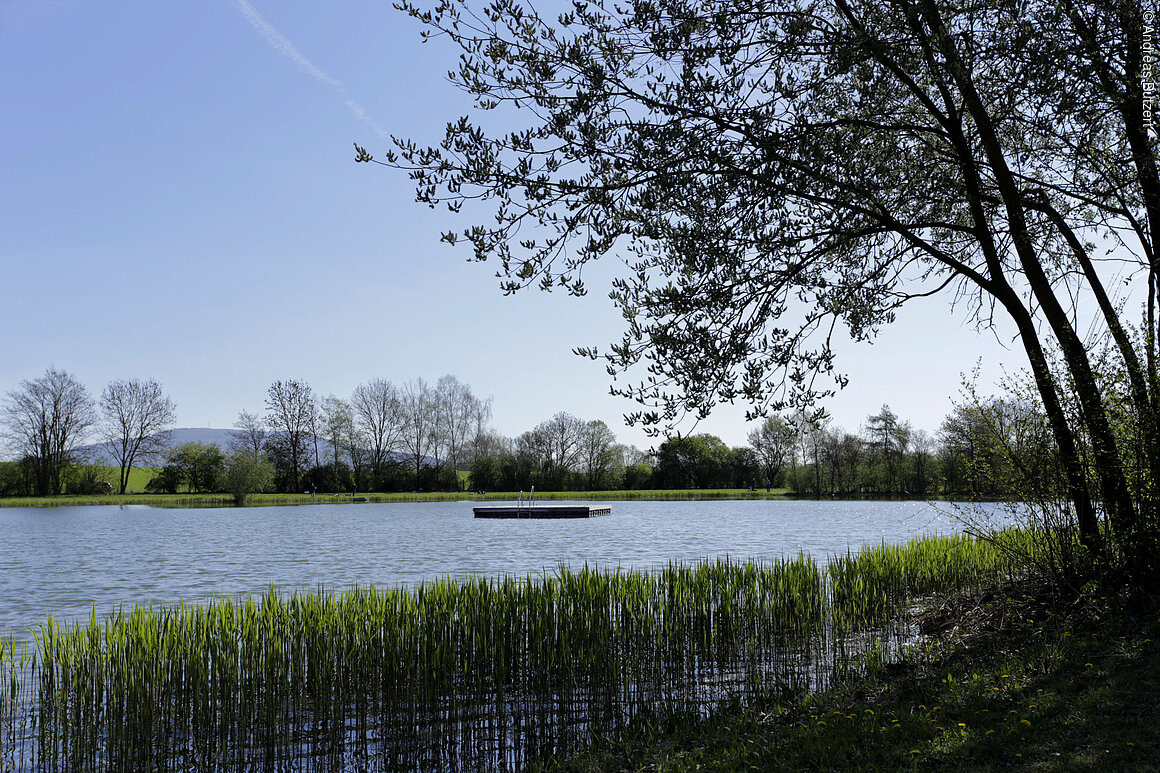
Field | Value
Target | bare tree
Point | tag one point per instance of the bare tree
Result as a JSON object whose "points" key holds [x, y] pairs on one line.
{"points": [[419, 429], [250, 434], [378, 414], [556, 444], [137, 417], [338, 424], [459, 417], [292, 413], [45, 421]]}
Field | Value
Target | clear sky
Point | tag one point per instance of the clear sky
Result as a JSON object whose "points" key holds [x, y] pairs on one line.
{"points": [[179, 200]]}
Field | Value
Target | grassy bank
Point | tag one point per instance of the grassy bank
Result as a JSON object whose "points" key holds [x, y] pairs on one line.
{"points": [[1016, 680], [259, 500], [461, 675]]}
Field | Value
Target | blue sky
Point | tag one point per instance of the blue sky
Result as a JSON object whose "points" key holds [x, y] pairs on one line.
{"points": [[179, 201]]}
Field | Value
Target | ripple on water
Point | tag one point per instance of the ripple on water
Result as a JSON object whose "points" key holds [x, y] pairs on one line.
{"points": [[65, 561]]}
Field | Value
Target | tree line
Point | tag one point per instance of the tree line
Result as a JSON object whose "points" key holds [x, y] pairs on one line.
{"points": [[418, 436], [384, 437], [985, 448]]}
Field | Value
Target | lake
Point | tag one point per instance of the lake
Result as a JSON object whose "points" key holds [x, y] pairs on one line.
{"points": [[66, 561]]}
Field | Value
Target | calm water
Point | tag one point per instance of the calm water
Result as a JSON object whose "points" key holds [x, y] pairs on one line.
{"points": [[66, 561]]}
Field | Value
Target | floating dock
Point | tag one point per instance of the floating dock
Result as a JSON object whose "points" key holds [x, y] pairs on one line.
{"points": [[542, 511]]}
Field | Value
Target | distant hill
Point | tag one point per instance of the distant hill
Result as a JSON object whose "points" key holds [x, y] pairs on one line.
{"points": [[100, 453]]}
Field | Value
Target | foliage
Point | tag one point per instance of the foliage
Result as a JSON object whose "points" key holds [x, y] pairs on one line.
{"points": [[772, 172], [774, 442], [86, 479], [199, 467], [638, 476], [247, 472], [697, 461]]}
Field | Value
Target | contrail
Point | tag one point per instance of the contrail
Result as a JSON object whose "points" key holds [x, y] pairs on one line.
{"points": [[282, 45]]}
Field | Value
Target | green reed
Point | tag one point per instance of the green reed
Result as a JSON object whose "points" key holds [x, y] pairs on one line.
{"points": [[480, 673]]}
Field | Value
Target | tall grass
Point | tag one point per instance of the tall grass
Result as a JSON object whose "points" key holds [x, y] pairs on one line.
{"points": [[478, 674]]}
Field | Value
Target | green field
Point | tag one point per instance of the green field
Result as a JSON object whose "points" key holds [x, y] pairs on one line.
{"points": [[139, 477]]}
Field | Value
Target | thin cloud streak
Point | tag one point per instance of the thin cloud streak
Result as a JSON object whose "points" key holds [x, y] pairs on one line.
{"points": [[282, 45]]}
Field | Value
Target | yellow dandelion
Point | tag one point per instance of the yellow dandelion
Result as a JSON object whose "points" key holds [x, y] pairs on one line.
{"points": [[869, 711], [989, 732], [962, 724], [1025, 722]]}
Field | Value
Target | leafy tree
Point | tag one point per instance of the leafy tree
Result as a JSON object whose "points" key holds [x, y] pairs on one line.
{"points": [[774, 443], [772, 170], [247, 472], [600, 460], [888, 438], [331, 477], [199, 466], [744, 468], [923, 478], [638, 476], [697, 461], [167, 480], [485, 473], [137, 417], [86, 480], [13, 480], [45, 421]]}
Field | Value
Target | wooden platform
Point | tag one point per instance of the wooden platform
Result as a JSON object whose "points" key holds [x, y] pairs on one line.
{"points": [[543, 511]]}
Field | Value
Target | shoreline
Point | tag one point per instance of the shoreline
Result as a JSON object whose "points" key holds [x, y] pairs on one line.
{"points": [[275, 500]]}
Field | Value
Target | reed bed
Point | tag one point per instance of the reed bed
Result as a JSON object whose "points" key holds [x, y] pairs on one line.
{"points": [[476, 674]]}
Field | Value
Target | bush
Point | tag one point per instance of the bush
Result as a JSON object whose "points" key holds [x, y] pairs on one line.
{"points": [[248, 473]]}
